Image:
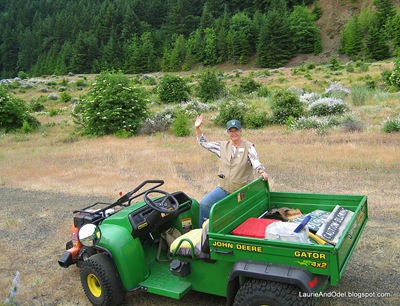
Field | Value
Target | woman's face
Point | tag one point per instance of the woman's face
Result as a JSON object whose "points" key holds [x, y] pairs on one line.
{"points": [[234, 134]]}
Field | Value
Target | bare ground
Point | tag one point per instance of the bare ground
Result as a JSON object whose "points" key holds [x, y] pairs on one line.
{"points": [[35, 224]]}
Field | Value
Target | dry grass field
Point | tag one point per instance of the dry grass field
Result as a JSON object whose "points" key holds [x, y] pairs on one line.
{"points": [[51, 167]]}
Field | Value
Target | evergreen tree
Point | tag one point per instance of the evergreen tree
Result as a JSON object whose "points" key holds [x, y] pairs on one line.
{"points": [[393, 27], [194, 48], [152, 12], [112, 54], [207, 19], [178, 53], [210, 48], [385, 11], [376, 45], [221, 27], [352, 38], [241, 38], [274, 46], [183, 16], [27, 55], [64, 59], [9, 52], [85, 53], [305, 32]]}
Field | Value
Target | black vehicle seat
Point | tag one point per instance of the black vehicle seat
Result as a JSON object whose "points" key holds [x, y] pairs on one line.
{"points": [[198, 238]]}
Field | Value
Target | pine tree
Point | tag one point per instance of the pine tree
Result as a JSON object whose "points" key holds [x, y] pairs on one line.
{"points": [[305, 32], [274, 46], [241, 38], [352, 38], [221, 27], [385, 11], [376, 45], [64, 59], [210, 48], [112, 53], [86, 51]]}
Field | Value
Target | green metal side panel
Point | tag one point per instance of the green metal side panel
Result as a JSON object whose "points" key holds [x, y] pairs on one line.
{"points": [[328, 260], [122, 246], [250, 201], [316, 258]]}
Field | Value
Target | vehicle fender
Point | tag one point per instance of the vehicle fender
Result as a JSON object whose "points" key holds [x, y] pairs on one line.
{"points": [[127, 253], [301, 277]]}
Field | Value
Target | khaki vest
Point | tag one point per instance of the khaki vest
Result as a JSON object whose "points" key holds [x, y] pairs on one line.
{"points": [[235, 172]]}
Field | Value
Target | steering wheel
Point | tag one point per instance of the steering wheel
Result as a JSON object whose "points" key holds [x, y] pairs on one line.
{"points": [[164, 206]]}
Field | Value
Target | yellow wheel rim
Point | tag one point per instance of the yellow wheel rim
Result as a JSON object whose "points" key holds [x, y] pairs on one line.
{"points": [[94, 285]]}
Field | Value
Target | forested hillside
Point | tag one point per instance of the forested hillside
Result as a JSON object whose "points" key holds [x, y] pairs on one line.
{"points": [[41, 37]]}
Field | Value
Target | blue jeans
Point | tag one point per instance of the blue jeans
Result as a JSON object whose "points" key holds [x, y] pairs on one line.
{"points": [[208, 201]]}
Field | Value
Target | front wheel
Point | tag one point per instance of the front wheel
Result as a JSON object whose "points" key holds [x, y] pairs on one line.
{"points": [[100, 281], [256, 292]]}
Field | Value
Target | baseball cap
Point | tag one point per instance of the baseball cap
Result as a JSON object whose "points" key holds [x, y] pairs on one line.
{"points": [[233, 124]]}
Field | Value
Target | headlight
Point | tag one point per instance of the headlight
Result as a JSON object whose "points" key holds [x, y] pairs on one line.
{"points": [[89, 235]]}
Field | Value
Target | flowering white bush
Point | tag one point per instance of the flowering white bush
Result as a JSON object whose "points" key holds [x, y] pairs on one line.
{"points": [[337, 88], [312, 122], [327, 106], [158, 122], [391, 125], [296, 90], [53, 96], [348, 121], [394, 77], [309, 97]]}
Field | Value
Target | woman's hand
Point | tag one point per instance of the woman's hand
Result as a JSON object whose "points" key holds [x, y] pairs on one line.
{"points": [[199, 121]]}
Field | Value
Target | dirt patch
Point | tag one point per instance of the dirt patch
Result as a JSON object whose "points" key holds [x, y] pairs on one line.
{"points": [[35, 226]]}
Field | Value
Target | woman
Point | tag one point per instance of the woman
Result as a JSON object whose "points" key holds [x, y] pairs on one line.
{"points": [[238, 160]]}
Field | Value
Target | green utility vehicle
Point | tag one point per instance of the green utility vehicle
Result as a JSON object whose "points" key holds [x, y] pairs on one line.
{"points": [[118, 247]]}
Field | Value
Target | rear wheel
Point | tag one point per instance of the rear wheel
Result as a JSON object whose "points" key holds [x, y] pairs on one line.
{"points": [[256, 292], [100, 281]]}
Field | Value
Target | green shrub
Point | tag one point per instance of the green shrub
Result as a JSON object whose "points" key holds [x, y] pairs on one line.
{"points": [[53, 112], [248, 85], [36, 106], [81, 83], [111, 105], [26, 128], [211, 85], [14, 112], [255, 118], [66, 97], [22, 75], [231, 109], [181, 125], [385, 75], [285, 104], [173, 89], [394, 78], [149, 80], [263, 92], [391, 125]]}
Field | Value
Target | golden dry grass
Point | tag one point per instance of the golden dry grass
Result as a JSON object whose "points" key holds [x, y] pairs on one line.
{"points": [[365, 162]]}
